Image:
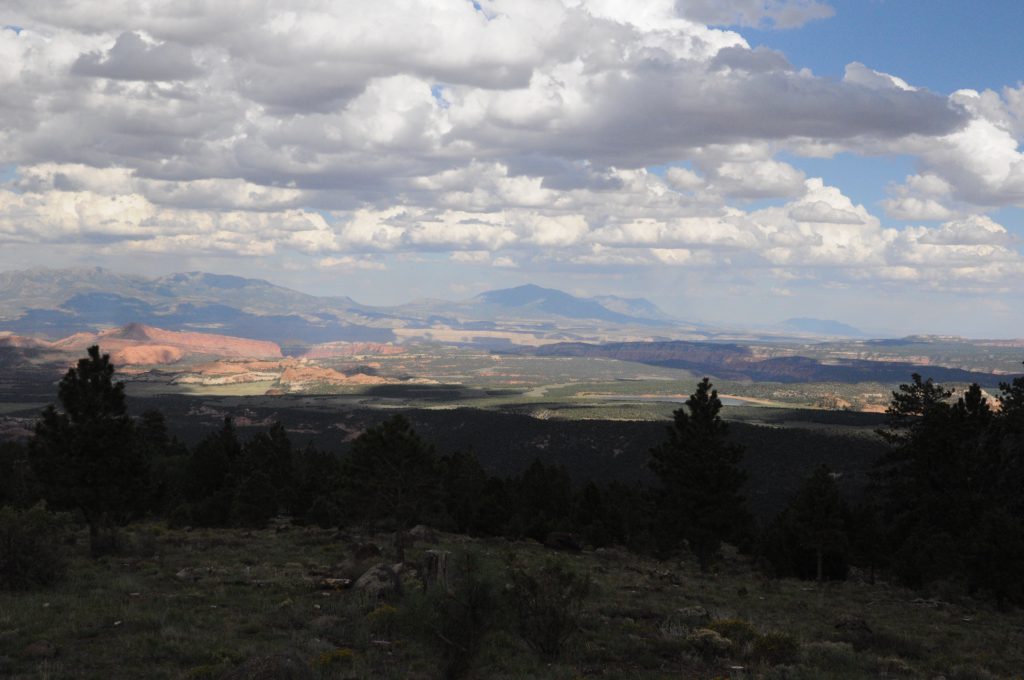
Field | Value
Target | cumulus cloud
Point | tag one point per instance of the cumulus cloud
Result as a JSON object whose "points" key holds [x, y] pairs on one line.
{"points": [[502, 133], [350, 262], [132, 57]]}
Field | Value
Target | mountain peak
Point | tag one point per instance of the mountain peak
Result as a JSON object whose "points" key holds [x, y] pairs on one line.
{"points": [[554, 302]]}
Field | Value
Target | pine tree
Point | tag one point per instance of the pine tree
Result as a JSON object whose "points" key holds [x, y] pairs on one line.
{"points": [[210, 480], [464, 497], [85, 455], [949, 487], [392, 474], [818, 518], [698, 468]]}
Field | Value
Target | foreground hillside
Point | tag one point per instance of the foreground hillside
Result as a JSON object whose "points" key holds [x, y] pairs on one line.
{"points": [[196, 604]]}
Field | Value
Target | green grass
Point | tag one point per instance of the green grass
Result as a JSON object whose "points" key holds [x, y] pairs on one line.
{"points": [[254, 593]]}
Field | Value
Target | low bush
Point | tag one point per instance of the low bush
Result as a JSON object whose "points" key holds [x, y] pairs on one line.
{"points": [[883, 643], [707, 644], [738, 631], [455, 621], [383, 620], [970, 673], [834, 657], [776, 648], [547, 603], [32, 547]]}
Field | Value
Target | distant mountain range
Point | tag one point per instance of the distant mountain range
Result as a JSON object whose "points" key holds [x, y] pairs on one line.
{"points": [[55, 303], [150, 321], [550, 302]]}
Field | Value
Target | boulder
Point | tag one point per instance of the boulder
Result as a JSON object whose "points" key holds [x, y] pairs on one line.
{"points": [[274, 667], [423, 533], [379, 581], [189, 574]]}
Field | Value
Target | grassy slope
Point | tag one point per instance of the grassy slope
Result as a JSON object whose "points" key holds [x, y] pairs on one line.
{"points": [[131, 616]]}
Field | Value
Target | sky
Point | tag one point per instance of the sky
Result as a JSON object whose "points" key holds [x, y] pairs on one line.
{"points": [[737, 162]]}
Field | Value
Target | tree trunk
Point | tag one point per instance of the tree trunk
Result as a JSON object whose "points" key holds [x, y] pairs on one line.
{"points": [[435, 570]]}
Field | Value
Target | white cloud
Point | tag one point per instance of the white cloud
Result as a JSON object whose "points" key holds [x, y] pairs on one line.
{"points": [[860, 74], [682, 179], [758, 179], [515, 133], [350, 262]]}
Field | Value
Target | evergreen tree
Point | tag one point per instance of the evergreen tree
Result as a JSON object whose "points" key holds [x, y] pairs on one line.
{"points": [[270, 454], [16, 484], [813, 530], [590, 515], [464, 483], [391, 474], [950, 487], [317, 479], [85, 455], [543, 500], [210, 482], [698, 468], [254, 501]]}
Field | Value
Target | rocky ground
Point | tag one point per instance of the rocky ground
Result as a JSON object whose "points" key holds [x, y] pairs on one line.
{"points": [[294, 602]]}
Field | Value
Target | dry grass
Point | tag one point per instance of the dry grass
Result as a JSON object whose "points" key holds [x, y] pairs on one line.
{"points": [[192, 604]]}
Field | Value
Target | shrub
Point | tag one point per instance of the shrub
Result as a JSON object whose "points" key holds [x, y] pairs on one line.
{"points": [[255, 501], [836, 657], [737, 630], [454, 621], [970, 673], [894, 666], [884, 643], [32, 552], [707, 643], [342, 656], [382, 620], [547, 604], [776, 648]]}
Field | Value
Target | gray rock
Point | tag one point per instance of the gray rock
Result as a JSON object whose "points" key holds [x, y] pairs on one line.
{"points": [[379, 581], [423, 533], [189, 574]]}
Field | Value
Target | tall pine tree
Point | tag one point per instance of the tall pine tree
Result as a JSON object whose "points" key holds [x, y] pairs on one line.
{"points": [[698, 467], [85, 455]]}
